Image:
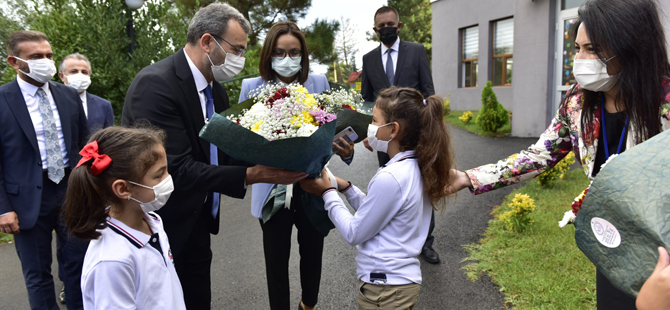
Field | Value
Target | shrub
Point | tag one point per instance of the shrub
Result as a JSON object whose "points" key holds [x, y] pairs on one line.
{"points": [[556, 172], [493, 115], [466, 117], [446, 106], [518, 218]]}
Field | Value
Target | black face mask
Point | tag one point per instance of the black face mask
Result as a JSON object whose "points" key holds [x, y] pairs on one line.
{"points": [[388, 35]]}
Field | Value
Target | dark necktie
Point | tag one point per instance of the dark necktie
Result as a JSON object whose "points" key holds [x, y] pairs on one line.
{"points": [[213, 153], [55, 165], [389, 66]]}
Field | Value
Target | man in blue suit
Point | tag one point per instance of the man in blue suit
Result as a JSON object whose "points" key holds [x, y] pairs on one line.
{"points": [[43, 129], [75, 71]]}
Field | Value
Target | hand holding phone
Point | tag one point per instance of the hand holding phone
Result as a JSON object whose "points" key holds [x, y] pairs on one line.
{"points": [[349, 135]]}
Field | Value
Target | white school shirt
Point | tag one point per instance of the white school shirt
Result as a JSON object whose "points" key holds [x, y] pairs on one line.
{"points": [[128, 269], [29, 92], [391, 222]]}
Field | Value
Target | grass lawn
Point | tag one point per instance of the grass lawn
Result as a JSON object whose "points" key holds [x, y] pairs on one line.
{"points": [[541, 268], [472, 126], [4, 238]]}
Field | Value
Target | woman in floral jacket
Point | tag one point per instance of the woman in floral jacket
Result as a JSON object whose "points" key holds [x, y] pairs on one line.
{"points": [[621, 66]]}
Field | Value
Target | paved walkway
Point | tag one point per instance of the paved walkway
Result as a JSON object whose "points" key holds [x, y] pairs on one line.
{"points": [[238, 272]]}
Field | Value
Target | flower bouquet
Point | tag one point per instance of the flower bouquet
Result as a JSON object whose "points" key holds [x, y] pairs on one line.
{"points": [[285, 127], [624, 215]]}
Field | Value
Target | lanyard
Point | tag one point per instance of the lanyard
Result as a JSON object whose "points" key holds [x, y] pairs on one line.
{"points": [[623, 132]]}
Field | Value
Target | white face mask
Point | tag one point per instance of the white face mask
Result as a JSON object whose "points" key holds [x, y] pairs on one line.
{"points": [[591, 74], [376, 144], [162, 193], [286, 66], [232, 66], [79, 81], [41, 70]]}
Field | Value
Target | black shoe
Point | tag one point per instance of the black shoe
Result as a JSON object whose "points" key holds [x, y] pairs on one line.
{"points": [[61, 296], [430, 255]]}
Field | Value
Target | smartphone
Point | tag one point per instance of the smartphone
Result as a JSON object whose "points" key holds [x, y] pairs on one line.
{"points": [[348, 134]]}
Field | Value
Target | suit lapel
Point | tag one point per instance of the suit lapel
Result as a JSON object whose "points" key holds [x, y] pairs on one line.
{"points": [[187, 85], [63, 113], [18, 106], [378, 65], [90, 107], [402, 55]]}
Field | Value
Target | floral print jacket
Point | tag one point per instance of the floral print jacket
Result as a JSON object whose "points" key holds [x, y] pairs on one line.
{"points": [[563, 135]]}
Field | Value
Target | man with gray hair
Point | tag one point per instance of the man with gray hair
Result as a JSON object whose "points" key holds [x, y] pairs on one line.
{"points": [[75, 71], [178, 94]]}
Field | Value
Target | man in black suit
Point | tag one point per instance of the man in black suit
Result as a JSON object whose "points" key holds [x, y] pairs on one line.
{"points": [[43, 129], [75, 71], [403, 64], [178, 94]]}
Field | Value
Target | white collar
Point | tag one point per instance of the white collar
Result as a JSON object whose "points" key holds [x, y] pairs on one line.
{"points": [[200, 80], [31, 89], [395, 46], [135, 237]]}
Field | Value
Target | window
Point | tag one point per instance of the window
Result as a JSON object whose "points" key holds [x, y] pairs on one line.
{"points": [[503, 45], [469, 56]]}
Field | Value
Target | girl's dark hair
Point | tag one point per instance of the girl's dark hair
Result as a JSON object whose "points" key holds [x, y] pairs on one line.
{"points": [[276, 31], [133, 152], [424, 132], [630, 30]]}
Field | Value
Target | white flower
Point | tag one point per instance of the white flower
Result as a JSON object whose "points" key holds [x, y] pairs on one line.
{"points": [[306, 130], [568, 218]]}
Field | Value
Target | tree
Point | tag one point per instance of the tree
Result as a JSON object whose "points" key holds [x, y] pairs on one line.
{"points": [[320, 37], [346, 42], [339, 72], [264, 13], [417, 22], [7, 73], [97, 29], [493, 115]]}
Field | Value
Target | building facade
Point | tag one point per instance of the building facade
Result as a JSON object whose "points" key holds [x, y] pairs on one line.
{"points": [[522, 46]]}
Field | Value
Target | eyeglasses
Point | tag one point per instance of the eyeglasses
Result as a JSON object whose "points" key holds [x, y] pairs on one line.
{"points": [[238, 51], [281, 54]]}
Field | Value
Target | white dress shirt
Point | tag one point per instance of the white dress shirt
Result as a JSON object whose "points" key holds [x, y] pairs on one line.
{"points": [[394, 55], [200, 84], [29, 92], [82, 96], [391, 222], [127, 269]]}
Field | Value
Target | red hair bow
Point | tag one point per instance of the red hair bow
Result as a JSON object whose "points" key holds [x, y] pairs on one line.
{"points": [[100, 161]]}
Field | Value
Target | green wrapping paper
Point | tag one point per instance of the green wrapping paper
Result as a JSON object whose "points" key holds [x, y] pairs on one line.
{"points": [[626, 214], [306, 154]]}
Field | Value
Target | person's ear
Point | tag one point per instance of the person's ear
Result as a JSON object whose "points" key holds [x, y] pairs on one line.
{"points": [[375, 30], [399, 26], [13, 62], [121, 189], [395, 129], [206, 42], [62, 77]]}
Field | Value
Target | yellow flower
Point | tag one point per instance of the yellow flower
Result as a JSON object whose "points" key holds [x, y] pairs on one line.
{"points": [[301, 89], [310, 102], [257, 126]]}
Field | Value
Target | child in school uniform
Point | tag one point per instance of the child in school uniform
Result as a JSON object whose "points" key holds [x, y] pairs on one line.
{"points": [[391, 221], [111, 197]]}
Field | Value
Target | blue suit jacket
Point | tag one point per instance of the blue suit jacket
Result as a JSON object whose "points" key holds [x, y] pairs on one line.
{"points": [[20, 160], [315, 84], [100, 113]]}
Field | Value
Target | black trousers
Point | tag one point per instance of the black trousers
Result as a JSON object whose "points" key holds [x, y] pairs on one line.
{"points": [[193, 265], [277, 248], [609, 297], [383, 159]]}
